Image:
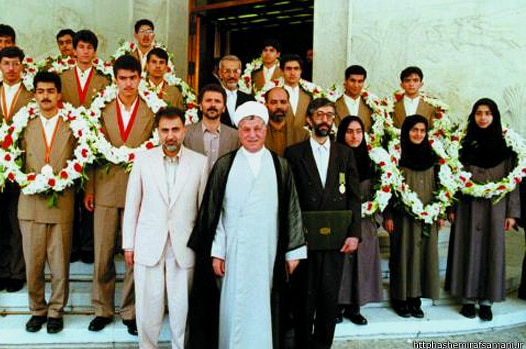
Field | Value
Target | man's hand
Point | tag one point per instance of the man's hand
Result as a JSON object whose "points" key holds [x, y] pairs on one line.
{"points": [[350, 245], [219, 266], [451, 217], [291, 265], [128, 258], [88, 202], [509, 223], [388, 225]]}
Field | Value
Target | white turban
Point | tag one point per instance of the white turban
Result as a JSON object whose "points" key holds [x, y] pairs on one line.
{"points": [[250, 108]]}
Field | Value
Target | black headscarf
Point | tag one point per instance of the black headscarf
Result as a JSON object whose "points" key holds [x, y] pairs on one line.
{"points": [[361, 154], [484, 147], [418, 157]]}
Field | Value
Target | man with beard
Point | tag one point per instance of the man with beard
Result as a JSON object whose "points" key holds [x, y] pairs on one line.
{"points": [[278, 135], [156, 67], [229, 73], [209, 136], [327, 180]]}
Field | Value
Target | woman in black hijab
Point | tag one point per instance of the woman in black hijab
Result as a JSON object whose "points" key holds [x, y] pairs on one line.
{"points": [[476, 264], [413, 260], [362, 273]]}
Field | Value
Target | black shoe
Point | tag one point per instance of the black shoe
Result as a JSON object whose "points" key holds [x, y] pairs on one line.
{"points": [[339, 318], [3, 283], [468, 310], [132, 326], [35, 323], [87, 257], [14, 285], [356, 318], [99, 323], [416, 312], [55, 324], [401, 308], [485, 313], [75, 256]]}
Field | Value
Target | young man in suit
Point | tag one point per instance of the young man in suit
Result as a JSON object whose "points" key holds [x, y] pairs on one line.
{"points": [[156, 67], [144, 36], [164, 192], [48, 142], [13, 96], [298, 99], [65, 42], [229, 73], [7, 36], [327, 180], [126, 121], [209, 136], [270, 69]]}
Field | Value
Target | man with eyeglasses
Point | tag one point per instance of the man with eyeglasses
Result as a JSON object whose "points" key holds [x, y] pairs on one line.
{"points": [[327, 181], [144, 35], [229, 73]]}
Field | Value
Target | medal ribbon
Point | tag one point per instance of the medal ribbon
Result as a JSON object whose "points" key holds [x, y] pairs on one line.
{"points": [[125, 132], [9, 113], [49, 146], [83, 91]]}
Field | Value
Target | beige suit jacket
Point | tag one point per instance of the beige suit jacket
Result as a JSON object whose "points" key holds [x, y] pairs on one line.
{"points": [[152, 213], [293, 136], [258, 79], [108, 182], [424, 109], [70, 92], [298, 119], [364, 113], [173, 97], [35, 207], [228, 139], [23, 98]]}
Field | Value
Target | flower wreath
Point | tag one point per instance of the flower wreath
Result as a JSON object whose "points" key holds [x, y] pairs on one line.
{"points": [[245, 82], [122, 155], [127, 47], [59, 64], [46, 181], [448, 184], [308, 87], [492, 190]]}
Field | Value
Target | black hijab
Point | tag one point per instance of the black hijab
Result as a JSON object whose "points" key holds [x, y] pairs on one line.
{"points": [[418, 157], [484, 147], [361, 154]]}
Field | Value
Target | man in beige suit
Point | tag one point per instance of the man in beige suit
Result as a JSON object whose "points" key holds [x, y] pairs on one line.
{"points": [[48, 143], [156, 67], [411, 81], [144, 36], [13, 96], [270, 70], [299, 100], [164, 193], [351, 102], [126, 121], [209, 136]]}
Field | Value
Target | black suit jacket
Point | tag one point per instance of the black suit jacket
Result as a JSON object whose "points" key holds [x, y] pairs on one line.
{"points": [[242, 97], [312, 195]]}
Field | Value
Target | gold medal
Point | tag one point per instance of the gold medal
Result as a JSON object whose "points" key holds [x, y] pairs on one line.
{"points": [[341, 188]]}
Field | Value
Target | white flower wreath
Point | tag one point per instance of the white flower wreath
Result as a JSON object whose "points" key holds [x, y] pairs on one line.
{"points": [[308, 87], [245, 82], [127, 47], [47, 181]]}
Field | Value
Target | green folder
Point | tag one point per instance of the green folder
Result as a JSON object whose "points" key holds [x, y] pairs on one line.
{"points": [[326, 230]]}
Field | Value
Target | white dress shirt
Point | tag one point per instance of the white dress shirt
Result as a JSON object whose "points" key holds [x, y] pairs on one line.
{"points": [[352, 104], [321, 157], [268, 72], [83, 76], [231, 99], [9, 93], [294, 96], [49, 128], [126, 114], [410, 105]]}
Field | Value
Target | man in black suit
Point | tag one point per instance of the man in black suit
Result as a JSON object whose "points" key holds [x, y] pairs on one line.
{"points": [[229, 73], [327, 180]]}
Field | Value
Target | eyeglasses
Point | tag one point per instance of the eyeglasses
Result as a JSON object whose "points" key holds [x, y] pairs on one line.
{"points": [[146, 31], [320, 114], [231, 71]]}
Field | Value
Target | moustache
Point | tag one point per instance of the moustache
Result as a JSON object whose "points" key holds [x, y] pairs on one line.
{"points": [[46, 100]]}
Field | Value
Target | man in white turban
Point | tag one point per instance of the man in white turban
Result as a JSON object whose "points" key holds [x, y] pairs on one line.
{"points": [[249, 237]]}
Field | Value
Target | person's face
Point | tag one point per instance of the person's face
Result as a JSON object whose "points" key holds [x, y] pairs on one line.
{"points": [[292, 73], [156, 66], [171, 134], [145, 36], [269, 55], [354, 134], [229, 73], [6, 41], [85, 52], [310, 55], [483, 116], [321, 121], [47, 97], [252, 133], [354, 85], [411, 85], [417, 133], [277, 104], [65, 45], [212, 105], [127, 83], [11, 69]]}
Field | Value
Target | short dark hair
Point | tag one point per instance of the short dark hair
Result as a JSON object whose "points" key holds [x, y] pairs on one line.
{"points": [[126, 62], [7, 30], [213, 88], [142, 22], [46, 76], [64, 32], [411, 70], [12, 52], [317, 103], [291, 58], [272, 43], [276, 88], [87, 36], [159, 52], [355, 70], [169, 113]]}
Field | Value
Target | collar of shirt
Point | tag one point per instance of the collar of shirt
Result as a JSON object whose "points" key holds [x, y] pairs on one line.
{"points": [[83, 75], [203, 127], [352, 104], [315, 145], [173, 159], [126, 114], [411, 104], [254, 159], [157, 88], [49, 126], [11, 89], [268, 72]]}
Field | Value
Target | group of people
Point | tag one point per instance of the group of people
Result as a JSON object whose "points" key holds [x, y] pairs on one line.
{"points": [[246, 225]]}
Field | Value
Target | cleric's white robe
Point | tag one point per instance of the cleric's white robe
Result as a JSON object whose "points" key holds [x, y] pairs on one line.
{"points": [[248, 244]]}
